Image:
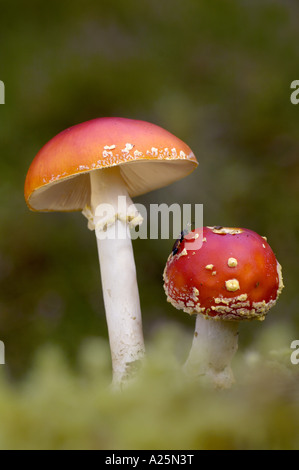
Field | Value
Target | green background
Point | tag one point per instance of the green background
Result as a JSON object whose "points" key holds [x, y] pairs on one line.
{"points": [[217, 75]]}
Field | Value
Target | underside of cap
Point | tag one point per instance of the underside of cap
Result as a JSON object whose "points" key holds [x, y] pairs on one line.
{"points": [[74, 193], [148, 157]]}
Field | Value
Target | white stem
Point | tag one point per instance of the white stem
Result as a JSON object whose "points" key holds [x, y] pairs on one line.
{"points": [[214, 344], [118, 271]]}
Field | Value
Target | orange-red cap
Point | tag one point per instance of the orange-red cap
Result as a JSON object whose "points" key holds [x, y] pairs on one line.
{"points": [[233, 276], [149, 157]]}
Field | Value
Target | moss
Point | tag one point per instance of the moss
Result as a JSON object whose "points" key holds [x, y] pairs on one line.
{"points": [[56, 407]]}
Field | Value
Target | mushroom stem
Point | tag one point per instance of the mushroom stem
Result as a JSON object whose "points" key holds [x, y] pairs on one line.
{"points": [[214, 344], [118, 272]]}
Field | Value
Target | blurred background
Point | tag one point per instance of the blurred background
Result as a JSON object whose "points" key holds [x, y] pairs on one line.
{"points": [[216, 75]]}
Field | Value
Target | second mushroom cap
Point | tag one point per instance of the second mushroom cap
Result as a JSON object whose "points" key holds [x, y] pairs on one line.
{"points": [[234, 275]]}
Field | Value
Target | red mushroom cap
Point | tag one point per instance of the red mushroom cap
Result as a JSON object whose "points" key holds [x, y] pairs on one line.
{"points": [[233, 276], [149, 158]]}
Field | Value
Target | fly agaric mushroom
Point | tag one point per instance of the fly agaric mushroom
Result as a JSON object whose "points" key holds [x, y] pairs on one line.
{"points": [[87, 167], [232, 276]]}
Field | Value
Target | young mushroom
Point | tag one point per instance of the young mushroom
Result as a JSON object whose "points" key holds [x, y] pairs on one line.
{"points": [[232, 276], [96, 167]]}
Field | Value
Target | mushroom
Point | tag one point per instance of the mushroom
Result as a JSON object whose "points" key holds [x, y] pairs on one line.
{"points": [[231, 276], [96, 167]]}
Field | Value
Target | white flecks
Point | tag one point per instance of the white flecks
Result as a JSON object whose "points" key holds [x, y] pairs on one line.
{"points": [[232, 300], [223, 230], [107, 154], [196, 236], [263, 306], [241, 304], [165, 153], [221, 309], [280, 279], [137, 153], [240, 308], [243, 312], [204, 239], [83, 167], [265, 238], [232, 262], [242, 297], [209, 266], [214, 273], [109, 147], [127, 148], [198, 309], [230, 309], [56, 177], [232, 285], [221, 300], [264, 246]]}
